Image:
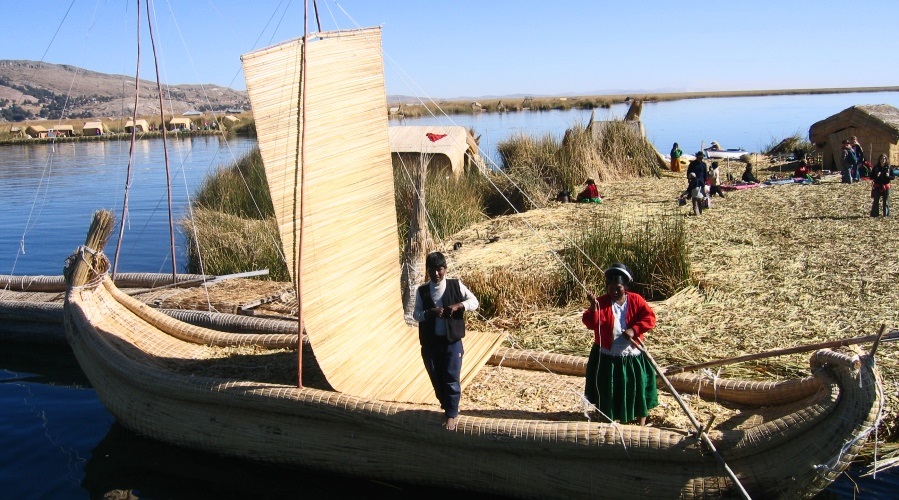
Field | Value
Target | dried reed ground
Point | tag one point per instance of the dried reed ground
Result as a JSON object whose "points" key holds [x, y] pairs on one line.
{"points": [[774, 267]]}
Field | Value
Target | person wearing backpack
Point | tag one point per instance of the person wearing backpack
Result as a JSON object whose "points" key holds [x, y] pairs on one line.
{"points": [[859, 158], [848, 161]]}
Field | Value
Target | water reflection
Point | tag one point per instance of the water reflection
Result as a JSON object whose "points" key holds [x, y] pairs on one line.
{"points": [[124, 463]]}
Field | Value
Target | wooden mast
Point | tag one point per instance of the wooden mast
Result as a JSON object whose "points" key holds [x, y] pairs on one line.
{"points": [[165, 148], [129, 171], [302, 168]]}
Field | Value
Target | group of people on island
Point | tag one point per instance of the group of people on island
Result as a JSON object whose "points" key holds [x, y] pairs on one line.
{"points": [[704, 182], [855, 167], [620, 381]]}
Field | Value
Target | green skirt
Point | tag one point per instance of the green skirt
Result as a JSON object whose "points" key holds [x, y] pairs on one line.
{"points": [[622, 387]]}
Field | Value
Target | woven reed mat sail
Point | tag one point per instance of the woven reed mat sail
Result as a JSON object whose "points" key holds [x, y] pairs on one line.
{"points": [[350, 288]]}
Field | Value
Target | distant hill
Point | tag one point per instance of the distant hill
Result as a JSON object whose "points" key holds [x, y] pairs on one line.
{"points": [[46, 90]]}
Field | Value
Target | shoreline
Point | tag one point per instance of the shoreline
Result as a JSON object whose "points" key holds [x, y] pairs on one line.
{"points": [[668, 96], [676, 96]]}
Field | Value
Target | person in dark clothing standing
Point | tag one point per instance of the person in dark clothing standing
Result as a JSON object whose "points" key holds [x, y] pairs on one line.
{"points": [[697, 172], [881, 175], [440, 306], [859, 158], [848, 160]]}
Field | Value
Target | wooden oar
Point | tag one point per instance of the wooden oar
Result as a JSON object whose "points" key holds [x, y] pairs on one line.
{"points": [[683, 404], [893, 335], [197, 281]]}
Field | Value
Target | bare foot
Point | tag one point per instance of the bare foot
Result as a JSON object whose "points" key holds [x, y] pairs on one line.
{"points": [[450, 424]]}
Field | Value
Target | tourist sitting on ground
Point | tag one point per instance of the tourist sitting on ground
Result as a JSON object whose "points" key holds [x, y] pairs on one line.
{"points": [[802, 171], [864, 169], [590, 194], [748, 176]]}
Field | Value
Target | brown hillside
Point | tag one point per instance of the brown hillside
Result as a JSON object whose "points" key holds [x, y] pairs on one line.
{"points": [[27, 83]]}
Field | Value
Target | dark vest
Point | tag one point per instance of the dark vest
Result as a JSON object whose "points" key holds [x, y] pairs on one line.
{"points": [[455, 324]]}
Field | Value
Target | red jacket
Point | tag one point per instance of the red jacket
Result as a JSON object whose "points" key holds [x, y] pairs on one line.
{"points": [[638, 316]]}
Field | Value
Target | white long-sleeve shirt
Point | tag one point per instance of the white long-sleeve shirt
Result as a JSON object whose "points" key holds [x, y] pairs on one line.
{"points": [[469, 301]]}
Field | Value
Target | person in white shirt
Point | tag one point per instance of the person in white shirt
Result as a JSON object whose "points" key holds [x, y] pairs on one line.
{"points": [[440, 305]]}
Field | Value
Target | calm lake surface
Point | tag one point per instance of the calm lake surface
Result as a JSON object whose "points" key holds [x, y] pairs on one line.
{"points": [[57, 440]]}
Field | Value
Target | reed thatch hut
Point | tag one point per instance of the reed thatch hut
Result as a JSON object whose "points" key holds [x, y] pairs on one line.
{"points": [[452, 148], [93, 128], [875, 125], [230, 120], [36, 131], [61, 131], [139, 125], [179, 124]]}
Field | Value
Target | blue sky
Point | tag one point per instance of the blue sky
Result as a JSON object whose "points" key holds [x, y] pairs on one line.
{"points": [[473, 48]]}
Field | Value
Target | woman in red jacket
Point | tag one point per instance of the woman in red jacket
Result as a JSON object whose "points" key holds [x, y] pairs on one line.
{"points": [[621, 382]]}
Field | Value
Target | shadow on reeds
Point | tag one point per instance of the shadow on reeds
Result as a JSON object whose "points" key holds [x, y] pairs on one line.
{"points": [[835, 217]]}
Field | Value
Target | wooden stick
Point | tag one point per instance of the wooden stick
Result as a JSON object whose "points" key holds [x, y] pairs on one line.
{"points": [[683, 404], [893, 335], [208, 281], [877, 341]]}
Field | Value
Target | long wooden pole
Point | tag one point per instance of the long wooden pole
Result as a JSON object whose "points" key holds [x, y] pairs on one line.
{"points": [[893, 335], [302, 215], [165, 147], [683, 404], [129, 175]]}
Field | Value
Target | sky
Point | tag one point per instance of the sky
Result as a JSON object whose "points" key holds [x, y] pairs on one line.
{"points": [[482, 48]]}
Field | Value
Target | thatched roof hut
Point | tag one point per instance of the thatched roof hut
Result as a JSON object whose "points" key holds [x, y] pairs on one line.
{"points": [[140, 125], [449, 148], [93, 128], [230, 120], [36, 131], [875, 125], [179, 124], [61, 131]]}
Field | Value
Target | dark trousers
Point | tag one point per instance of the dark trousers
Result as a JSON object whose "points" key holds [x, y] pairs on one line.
{"points": [[713, 190], [443, 362], [875, 206]]}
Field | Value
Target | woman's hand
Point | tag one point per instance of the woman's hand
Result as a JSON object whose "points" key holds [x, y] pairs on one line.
{"points": [[591, 299], [630, 333]]}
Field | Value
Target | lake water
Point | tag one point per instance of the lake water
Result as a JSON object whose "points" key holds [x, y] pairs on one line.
{"points": [[751, 123], [48, 194], [57, 440]]}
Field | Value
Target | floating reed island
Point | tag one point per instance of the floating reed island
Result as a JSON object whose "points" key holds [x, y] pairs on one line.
{"points": [[765, 269]]}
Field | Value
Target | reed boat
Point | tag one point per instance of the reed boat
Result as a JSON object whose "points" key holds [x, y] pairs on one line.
{"points": [[363, 404], [790, 441], [733, 154]]}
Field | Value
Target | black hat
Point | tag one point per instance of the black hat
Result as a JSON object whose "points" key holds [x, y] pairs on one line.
{"points": [[700, 154], [619, 269]]}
